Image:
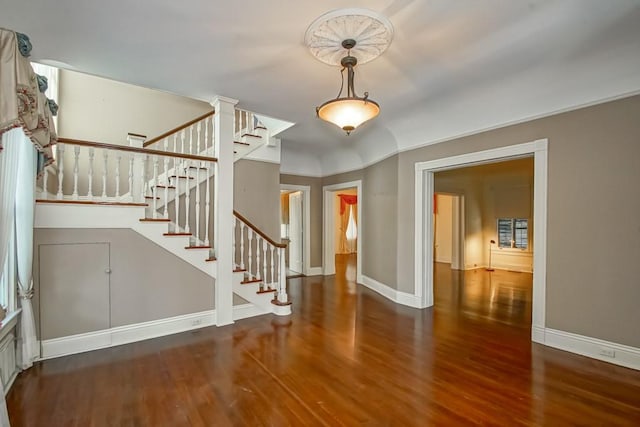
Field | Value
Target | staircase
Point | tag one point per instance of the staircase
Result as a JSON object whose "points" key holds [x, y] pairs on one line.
{"points": [[174, 191]]}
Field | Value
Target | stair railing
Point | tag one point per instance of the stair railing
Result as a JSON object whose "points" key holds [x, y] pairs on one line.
{"points": [[97, 173], [260, 257]]}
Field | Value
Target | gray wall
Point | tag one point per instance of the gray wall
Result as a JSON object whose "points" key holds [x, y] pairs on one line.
{"points": [[594, 171], [256, 194], [146, 283], [593, 238]]}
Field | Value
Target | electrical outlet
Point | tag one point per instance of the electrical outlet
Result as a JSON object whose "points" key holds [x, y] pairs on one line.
{"points": [[196, 322], [607, 352]]}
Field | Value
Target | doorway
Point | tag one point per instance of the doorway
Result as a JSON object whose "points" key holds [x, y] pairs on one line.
{"points": [[424, 192], [294, 227], [449, 229], [342, 225]]}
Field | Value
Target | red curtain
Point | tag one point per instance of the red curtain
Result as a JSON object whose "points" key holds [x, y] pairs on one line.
{"points": [[347, 199]]}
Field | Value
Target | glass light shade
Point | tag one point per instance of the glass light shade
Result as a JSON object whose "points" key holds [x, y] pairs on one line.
{"points": [[348, 113]]}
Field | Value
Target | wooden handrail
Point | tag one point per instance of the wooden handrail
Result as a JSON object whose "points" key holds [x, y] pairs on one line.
{"points": [[256, 230], [177, 129], [134, 149]]}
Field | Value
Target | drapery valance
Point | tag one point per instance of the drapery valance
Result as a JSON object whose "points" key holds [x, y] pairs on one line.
{"points": [[347, 199], [22, 104]]}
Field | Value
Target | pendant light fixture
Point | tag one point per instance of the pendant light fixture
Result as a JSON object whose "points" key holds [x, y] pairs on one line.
{"points": [[347, 37], [351, 111]]}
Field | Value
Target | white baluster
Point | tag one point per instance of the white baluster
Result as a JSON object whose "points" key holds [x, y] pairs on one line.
{"points": [[206, 134], [118, 158], [60, 169], [233, 237], [90, 190], [76, 156], [197, 199], [250, 121], [214, 153], [191, 139], [264, 261], [105, 171], [187, 197], [166, 174], [258, 258], [176, 199], [175, 143], [143, 178], [182, 137], [155, 186], [131, 158], [250, 251], [273, 267], [199, 128], [207, 201], [242, 226]]}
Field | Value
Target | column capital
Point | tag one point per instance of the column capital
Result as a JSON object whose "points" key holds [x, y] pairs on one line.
{"points": [[136, 140], [219, 99]]}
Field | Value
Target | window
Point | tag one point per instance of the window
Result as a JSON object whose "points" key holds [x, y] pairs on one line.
{"points": [[513, 233]]}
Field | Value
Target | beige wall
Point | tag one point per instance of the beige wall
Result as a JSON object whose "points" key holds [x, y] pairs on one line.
{"points": [[97, 109], [315, 213], [256, 194], [146, 283]]}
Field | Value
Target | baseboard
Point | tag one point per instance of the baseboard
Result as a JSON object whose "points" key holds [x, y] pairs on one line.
{"points": [[622, 355], [314, 271], [388, 292], [244, 311], [111, 337]]}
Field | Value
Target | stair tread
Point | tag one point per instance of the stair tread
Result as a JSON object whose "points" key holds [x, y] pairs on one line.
{"points": [[247, 281], [198, 167], [177, 234], [154, 220], [197, 247], [163, 186], [182, 177], [252, 135], [239, 270], [261, 127], [265, 291], [151, 197], [241, 143], [211, 259]]}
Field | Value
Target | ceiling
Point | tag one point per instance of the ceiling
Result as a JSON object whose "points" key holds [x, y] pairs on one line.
{"points": [[453, 68]]}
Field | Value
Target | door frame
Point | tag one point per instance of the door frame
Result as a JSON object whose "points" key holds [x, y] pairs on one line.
{"points": [[306, 223], [424, 190], [328, 245]]}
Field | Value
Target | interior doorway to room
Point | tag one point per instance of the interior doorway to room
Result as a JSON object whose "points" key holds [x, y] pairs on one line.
{"points": [[342, 243], [448, 225], [294, 228], [496, 280]]}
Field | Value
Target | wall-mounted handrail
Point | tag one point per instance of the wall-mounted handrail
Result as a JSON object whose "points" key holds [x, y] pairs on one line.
{"points": [[177, 129]]}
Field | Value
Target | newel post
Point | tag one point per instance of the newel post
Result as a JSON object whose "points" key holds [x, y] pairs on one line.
{"points": [[136, 190], [223, 207]]}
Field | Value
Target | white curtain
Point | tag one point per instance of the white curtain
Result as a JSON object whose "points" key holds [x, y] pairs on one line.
{"points": [[352, 231], [25, 214], [9, 167]]}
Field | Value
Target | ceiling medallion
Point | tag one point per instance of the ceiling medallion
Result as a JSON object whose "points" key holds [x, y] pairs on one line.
{"points": [[360, 34], [371, 31]]}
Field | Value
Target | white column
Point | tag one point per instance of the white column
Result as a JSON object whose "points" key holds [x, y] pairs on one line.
{"points": [[137, 186], [223, 207]]}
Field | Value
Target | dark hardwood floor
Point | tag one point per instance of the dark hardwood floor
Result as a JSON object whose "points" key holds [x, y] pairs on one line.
{"points": [[347, 356]]}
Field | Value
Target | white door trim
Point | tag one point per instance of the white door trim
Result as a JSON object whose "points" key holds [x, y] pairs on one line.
{"points": [[423, 262], [306, 214], [328, 252]]}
